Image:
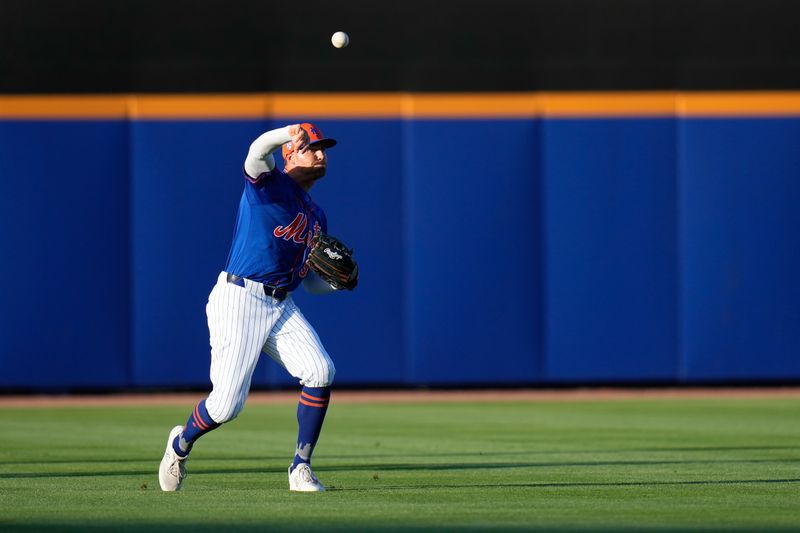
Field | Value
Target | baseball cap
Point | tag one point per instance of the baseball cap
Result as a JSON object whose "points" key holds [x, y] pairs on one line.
{"points": [[315, 137]]}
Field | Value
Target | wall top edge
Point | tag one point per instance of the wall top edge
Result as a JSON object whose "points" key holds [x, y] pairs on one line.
{"points": [[401, 105]]}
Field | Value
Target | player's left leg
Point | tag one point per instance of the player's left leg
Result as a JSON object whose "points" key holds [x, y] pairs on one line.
{"points": [[295, 345], [239, 321]]}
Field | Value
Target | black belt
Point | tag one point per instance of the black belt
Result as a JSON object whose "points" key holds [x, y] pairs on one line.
{"points": [[279, 293]]}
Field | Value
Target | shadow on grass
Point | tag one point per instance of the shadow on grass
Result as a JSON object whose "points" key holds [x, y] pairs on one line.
{"points": [[383, 527], [128, 460], [415, 455], [492, 466], [383, 467], [587, 484]]}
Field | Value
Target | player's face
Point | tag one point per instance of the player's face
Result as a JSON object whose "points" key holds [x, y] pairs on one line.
{"points": [[313, 159]]}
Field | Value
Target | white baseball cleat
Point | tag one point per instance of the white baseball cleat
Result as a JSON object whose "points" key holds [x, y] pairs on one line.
{"points": [[302, 479], [172, 469]]}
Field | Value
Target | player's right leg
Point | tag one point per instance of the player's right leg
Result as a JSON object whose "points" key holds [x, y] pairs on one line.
{"points": [[239, 321], [295, 345]]}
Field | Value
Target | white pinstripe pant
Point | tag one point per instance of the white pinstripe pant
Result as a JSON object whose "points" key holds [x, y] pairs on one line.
{"points": [[243, 322]]}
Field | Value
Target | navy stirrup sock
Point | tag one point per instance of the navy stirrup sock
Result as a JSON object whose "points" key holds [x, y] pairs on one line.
{"points": [[310, 414], [199, 424]]}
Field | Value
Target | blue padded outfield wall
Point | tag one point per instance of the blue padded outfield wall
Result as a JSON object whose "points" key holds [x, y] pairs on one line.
{"points": [[493, 251]]}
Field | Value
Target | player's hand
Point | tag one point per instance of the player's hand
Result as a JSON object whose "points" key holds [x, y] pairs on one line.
{"points": [[299, 138]]}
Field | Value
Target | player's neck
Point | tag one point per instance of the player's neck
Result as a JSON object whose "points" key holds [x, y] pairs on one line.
{"points": [[305, 180]]}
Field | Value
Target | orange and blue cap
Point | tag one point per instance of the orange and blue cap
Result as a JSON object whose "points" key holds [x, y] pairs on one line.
{"points": [[315, 138]]}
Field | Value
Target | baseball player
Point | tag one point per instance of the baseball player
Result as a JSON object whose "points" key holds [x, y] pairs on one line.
{"points": [[250, 309]]}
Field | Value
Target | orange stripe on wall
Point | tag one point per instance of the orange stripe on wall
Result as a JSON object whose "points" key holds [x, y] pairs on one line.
{"points": [[64, 107], [618, 104], [288, 106], [474, 105], [188, 106], [740, 104], [345, 105]]}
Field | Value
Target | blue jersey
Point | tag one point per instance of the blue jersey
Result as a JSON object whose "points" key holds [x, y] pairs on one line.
{"points": [[276, 221]]}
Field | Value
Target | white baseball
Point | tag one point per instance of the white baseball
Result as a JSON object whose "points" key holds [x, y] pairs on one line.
{"points": [[340, 39]]}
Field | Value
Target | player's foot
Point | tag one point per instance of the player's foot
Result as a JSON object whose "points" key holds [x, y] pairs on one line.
{"points": [[172, 469], [302, 479]]}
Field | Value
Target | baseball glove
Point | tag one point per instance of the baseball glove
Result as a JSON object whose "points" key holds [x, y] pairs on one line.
{"points": [[333, 262]]}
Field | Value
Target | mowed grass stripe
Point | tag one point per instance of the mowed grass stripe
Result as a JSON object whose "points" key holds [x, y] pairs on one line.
{"points": [[665, 464]]}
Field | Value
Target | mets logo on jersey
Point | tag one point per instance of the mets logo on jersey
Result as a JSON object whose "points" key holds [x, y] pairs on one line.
{"points": [[296, 230]]}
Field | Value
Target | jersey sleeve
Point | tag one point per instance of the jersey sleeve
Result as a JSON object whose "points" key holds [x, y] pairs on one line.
{"points": [[261, 177], [259, 158]]}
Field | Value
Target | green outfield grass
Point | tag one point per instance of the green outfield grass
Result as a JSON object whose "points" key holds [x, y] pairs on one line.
{"points": [[666, 465]]}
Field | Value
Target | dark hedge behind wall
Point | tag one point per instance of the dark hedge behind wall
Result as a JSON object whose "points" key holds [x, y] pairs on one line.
{"points": [[205, 46]]}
